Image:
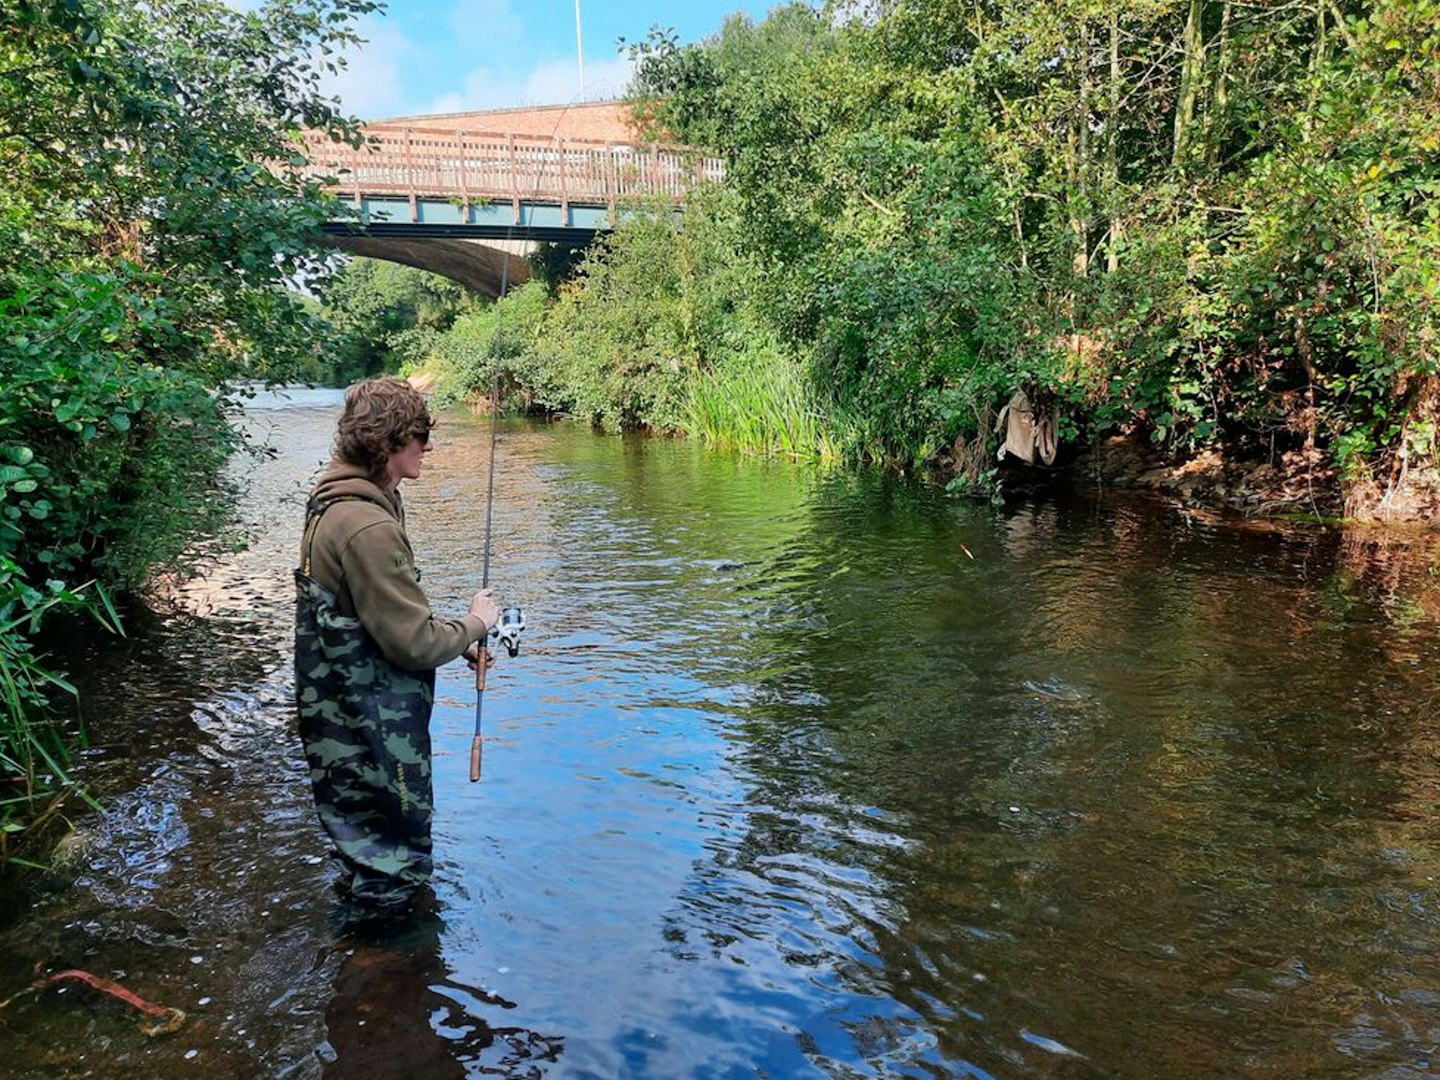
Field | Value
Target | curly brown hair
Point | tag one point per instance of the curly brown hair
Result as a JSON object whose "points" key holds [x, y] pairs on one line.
{"points": [[381, 415]]}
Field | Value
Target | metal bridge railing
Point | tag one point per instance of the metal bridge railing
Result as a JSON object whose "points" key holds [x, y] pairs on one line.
{"points": [[485, 167]]}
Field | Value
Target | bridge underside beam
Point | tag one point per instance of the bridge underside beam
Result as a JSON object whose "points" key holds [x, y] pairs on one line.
{"points": [[574, 235], [478, 265]]}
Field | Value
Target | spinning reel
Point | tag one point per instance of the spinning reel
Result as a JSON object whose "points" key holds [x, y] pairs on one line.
{"points": [[508, 630]]}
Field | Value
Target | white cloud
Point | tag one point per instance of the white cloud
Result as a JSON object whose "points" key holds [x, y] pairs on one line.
{"points": [[370, 85], [484, 88], [553, 83], [606, 79]]}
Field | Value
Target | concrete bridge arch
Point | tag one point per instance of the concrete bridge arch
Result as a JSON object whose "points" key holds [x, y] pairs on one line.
{"points": [[482, 266]]}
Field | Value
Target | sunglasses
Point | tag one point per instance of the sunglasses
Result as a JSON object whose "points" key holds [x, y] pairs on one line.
{"points": [[423, 434]]}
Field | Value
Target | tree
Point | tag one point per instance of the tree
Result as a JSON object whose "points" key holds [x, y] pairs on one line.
{"points": [[383, 312], [152, 211]]}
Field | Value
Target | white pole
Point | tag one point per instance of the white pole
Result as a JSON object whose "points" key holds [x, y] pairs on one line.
{"points": [[580, 49]]}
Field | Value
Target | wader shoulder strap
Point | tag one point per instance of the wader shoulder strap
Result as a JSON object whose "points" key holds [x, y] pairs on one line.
{"points": [[313, 510]]}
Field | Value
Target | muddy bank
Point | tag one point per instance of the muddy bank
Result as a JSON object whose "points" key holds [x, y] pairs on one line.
{"points": [[1293, 485], [1386, 543]]}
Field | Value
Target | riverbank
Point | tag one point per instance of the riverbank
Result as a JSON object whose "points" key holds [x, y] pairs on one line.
{"points": [[1386, 550], [1297, 485]]}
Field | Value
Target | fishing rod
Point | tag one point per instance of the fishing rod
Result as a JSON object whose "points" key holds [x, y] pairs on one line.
{"points": [[512, 619]]}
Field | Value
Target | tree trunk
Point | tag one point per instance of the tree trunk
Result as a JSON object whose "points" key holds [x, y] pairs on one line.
{"points": [[1220, 100], [1189, 89], [1304, 350], [1079, 199], [1112, 152], [1317, 61]]}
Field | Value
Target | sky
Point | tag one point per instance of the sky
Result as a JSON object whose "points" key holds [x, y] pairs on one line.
{"points": [[439, 56]]}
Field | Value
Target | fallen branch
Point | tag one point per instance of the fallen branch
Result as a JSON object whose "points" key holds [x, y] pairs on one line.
{"points": [[166, 1019]]}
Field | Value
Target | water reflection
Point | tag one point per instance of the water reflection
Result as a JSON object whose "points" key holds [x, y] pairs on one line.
{"points": [[796, 775], [395, 1012]]}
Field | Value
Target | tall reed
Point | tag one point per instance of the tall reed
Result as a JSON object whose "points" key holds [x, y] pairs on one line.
{"points": [[765, 408], [34, 752]]}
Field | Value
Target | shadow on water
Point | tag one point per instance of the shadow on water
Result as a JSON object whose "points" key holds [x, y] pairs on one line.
{"points": [[797, 775], [395, 1012]]}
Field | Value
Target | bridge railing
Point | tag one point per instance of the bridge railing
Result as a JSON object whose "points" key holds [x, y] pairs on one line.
{"points": [[476, 166]]}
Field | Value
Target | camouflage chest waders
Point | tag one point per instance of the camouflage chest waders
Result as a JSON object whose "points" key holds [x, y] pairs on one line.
{"points": [[365, 724]]}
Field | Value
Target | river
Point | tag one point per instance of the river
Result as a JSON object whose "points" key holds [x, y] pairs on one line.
{"points": [[797, 774]]}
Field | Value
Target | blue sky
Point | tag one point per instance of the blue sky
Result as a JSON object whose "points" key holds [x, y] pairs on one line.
{"points": [[434, 56]]}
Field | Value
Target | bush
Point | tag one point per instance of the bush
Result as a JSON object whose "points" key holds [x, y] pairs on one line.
{"points": [[34, 754], [108, 461], [463, 358]]}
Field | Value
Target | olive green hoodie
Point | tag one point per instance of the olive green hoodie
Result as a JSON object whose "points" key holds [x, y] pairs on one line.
{"points": [[361, 554]]}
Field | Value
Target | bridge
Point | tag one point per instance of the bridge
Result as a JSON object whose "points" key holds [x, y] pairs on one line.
{"points": [[470, 194]]}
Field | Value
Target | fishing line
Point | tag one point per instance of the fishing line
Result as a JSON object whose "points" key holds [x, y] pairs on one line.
{"points": [[494, 430]]}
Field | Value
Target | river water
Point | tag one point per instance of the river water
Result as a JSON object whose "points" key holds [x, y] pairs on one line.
{"points": [[798, 774]]}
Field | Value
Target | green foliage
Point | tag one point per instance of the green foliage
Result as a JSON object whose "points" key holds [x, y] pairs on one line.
{"points": [[1294, 306], [761, 403], [621, 340], [162, 134], [381, 315], [1200, 222], [149, 218], [502, 334], [879, 256], [111, 459], [153, 220]]}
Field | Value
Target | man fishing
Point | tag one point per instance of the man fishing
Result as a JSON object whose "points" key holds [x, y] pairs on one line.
{"points": [[366, 649]]}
